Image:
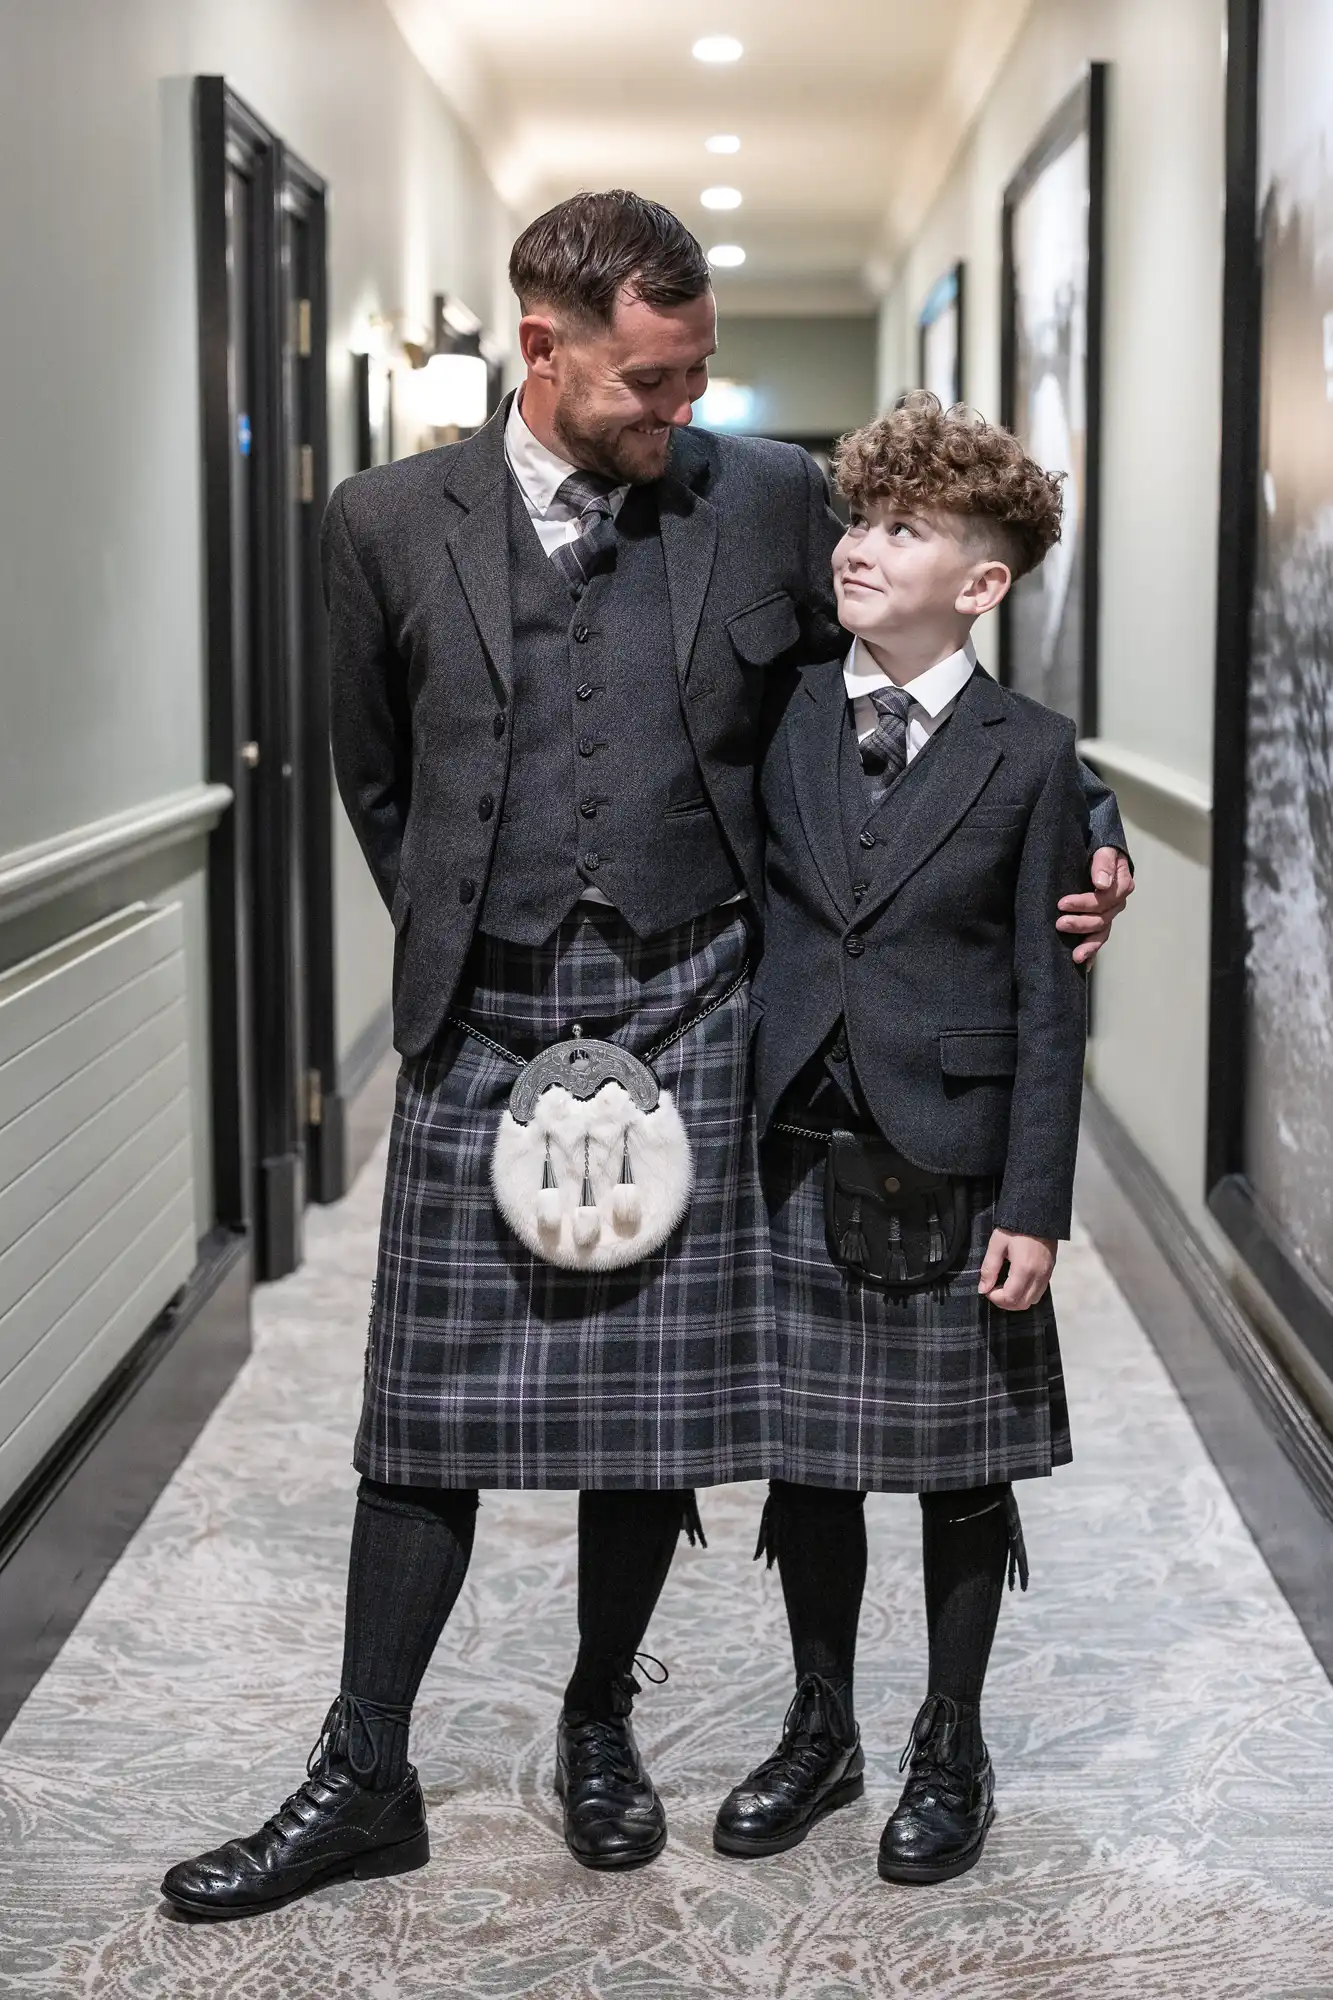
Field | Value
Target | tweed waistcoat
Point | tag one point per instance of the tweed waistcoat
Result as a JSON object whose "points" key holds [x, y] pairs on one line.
{"points": [[604, 788]]}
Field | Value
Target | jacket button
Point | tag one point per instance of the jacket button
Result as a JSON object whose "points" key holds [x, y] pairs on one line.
{"points": [[485, 806], [592, 861], [867, 840], [587, 744], [859, 889], [581, 634], [466, 890], [588, 807], [498, 727], [854, 947], [585, 690]]}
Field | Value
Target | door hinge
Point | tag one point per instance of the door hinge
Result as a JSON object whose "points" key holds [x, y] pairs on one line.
{"points": [[314, 1097], [303, 324], [306, 477]]}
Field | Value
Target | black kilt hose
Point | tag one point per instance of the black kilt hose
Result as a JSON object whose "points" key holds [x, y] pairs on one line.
{"points": [[924, 1394], [486, 1366]]}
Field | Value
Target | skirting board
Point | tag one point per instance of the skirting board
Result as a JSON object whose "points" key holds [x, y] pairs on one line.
{"points": [[1271, 1451], [355, 1113], [63, 1532]]}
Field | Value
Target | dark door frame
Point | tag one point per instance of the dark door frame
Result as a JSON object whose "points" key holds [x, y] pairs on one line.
{"points": [[260, 1174]]}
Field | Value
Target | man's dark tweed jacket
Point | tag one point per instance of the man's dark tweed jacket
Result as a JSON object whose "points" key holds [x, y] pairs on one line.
{"points": [[417, 583], [959, 997]]}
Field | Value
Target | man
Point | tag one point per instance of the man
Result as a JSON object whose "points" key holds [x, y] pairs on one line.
{"points": [[549, 651]]}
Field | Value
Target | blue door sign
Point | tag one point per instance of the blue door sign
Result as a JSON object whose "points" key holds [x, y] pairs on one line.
{"points": [[243, 434]]}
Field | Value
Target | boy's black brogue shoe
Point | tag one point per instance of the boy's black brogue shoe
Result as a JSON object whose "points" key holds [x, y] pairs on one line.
{"points": [[948, 1802], [613, 1816], [817, 1767], [333, 1826]]}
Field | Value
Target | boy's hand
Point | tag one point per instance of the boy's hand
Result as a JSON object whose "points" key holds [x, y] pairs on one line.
{"points": [[1093, 913], [1031, 1259]]}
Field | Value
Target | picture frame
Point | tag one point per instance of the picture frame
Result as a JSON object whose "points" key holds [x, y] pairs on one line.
{"points": [[939, 337], [1052, 223], [1270, 1063], [372, 391]]}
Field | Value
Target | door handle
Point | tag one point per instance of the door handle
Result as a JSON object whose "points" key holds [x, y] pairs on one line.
{"points": [[250, 754]]}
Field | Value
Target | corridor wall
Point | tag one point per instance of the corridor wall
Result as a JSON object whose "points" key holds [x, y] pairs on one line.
{"points": [[102, 696], [1160, 419]]}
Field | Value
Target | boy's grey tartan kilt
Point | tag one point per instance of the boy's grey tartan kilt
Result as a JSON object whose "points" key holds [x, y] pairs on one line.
{"points": [[488, 1367], [923, 1394]]}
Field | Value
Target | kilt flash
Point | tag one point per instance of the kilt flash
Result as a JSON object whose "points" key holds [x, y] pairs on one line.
{"points": [[917, 1395], [486, 1366]]}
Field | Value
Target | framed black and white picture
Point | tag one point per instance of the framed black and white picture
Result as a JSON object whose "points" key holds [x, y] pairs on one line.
{"points": [[372, 388], [1271, 1054], [939, 335], [1050, 387]]}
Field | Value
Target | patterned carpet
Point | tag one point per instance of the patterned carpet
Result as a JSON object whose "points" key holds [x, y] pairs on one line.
{"points": [[1162, 1734]]}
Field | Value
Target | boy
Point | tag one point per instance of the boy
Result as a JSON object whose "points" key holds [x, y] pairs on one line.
{"points": [[919, 1062]]}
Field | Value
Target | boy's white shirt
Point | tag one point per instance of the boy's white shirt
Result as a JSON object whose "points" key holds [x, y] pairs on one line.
{"points": [[933, 693]]}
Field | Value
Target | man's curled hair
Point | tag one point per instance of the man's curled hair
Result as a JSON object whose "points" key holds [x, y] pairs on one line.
{"points": [[924, 458]]}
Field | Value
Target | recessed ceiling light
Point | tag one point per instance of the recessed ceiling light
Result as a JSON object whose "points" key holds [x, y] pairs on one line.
{"points": [[717, 49], [721, 197], [723, 142], [726, 256]]}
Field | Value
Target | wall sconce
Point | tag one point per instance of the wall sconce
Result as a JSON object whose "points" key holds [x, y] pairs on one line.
{"points": [[453, 392]]}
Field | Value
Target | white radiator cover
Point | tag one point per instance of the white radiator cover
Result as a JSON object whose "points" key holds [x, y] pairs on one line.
{"points": [[96, 1195]]}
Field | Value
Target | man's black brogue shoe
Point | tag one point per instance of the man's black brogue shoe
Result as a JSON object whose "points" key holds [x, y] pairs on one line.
{"points": [[333, 1826], [948, 1803], [613, 1816], [817, 1767]]}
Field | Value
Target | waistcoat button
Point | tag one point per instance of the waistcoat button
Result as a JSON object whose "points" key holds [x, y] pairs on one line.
{"points": [[854, 947], [581, 634], [585, 690], [839, 1050], [592, 861], [867, 840], [587, 744], [498, 727], [466, 890], [485, 806], [588, 807]]}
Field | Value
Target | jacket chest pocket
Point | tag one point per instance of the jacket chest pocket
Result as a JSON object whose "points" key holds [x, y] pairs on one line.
{"points": [[762, 632]]}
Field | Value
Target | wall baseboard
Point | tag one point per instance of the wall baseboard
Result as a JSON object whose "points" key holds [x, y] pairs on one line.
{"points": [[1273, 1454], [355, 1113], [69, 1523]]}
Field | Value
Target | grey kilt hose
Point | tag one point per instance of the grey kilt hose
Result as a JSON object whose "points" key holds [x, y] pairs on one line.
{"points": [[488, 1367], [925, 1394]]}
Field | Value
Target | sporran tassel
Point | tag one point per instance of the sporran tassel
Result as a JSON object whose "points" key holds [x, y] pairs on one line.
{"points": [[548, 1198], [936, 1235], [587, 1218], [854, 1247], [626, 1201], [897, 1260]]}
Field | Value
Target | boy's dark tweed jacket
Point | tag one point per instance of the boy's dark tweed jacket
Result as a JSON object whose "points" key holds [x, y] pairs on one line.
{"points": [[964, 1009]]}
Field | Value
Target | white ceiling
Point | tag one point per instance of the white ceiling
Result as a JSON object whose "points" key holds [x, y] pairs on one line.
{"points": [[849, 113]]}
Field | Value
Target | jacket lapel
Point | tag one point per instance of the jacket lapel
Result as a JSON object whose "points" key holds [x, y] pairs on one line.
{"points": [[816, 721], [689, 544], [479, 543], [935, 791]]}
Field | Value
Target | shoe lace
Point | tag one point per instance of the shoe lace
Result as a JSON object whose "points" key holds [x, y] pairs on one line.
{"points": [[805, 1732], [931, 1748], [337, 1743]]}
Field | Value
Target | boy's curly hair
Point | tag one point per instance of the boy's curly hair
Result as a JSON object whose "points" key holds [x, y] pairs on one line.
{"points": [[925, 458]]}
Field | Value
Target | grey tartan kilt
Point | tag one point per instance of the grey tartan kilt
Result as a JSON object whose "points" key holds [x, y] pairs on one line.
{"points": [[486, 1366], [924, 1394]]}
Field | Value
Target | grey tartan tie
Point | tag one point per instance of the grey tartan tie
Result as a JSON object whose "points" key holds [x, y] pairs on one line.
{"points": [[585, 498], [884, 751]]}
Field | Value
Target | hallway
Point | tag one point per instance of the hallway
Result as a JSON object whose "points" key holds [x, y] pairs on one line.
{"points": [[1162, 1733]]}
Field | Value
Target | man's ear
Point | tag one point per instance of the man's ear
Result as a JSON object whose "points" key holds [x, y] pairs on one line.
{"points": [[985, 588], [537, 344]]}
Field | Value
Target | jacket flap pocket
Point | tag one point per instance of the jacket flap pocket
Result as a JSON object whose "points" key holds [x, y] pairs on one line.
{"points": [[764, 630], [979, 1052]]}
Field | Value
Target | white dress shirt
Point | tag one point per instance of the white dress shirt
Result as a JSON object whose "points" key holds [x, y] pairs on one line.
{"points": [[933, 693], [540, 475]]}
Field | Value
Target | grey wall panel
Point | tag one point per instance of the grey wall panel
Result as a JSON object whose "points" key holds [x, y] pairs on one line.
{"points": [[96, 1195]]}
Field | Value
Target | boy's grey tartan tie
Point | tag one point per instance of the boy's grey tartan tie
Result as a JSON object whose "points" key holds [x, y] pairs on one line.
{"points": [[884, 751], [585, 498]]}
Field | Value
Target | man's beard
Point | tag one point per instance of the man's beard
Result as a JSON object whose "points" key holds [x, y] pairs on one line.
{"points": [[595, 447]]}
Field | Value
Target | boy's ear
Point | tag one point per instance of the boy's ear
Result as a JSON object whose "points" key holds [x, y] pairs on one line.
{"points": [[987, 586]]}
